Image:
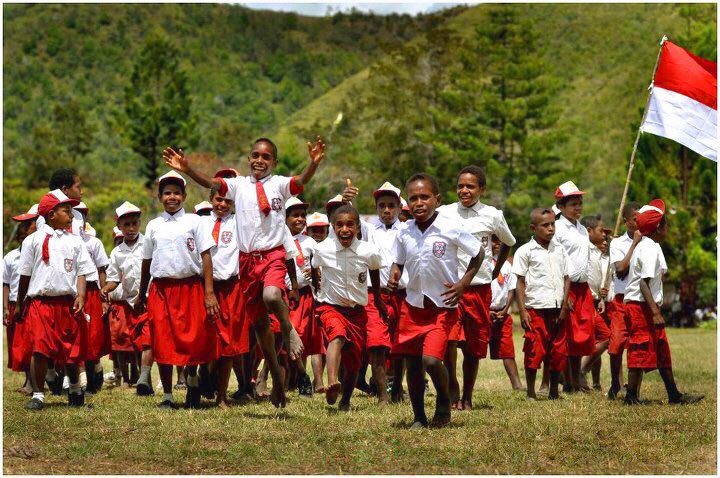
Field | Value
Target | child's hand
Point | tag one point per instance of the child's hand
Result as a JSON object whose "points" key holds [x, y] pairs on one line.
{"points": [[6, 317], [637, 236], [564, 313], [140, 305], [211, 306], [175, 160], [105, 307], [293, 298], [350, 191], [601, 307], [104, 294], [308, 274], [603, 293], [658, 319], [453, 293], [525, 320], [18, 318], [78, 305], [394, 280], [317, 152]]}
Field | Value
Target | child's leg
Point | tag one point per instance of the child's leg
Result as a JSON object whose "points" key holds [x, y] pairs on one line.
{"points": [[438, 373], [634, 382], [615, 375], [272, 297], [512, 373], [267, 344], [180, 376], [334, 354], [470, 370], [224, 365], [378, 356], [416, 390], [596, 368], [670, 386], [349, 379], [318, 366], [554, 393], [144, 382], [589, 362], [530, 374], [362, 383], [451, 364], [38, 369], [396, 393]]}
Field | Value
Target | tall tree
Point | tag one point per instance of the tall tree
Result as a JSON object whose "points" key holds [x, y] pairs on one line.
{"points": [[158, 104]]}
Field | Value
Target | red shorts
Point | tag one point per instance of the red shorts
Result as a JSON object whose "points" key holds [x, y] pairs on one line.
{"points": [[142, 333], [121, 318], [378, 331], [307, 325], [648, 346], [349, 323], [545, 341], [99, 344], [21, 350], [580, 324], [618, 325], [474, 309], [602, 331], [457, 331], [423, 331], [181, 332], [501, 339], [54, 331], [234, 336], [257, 271], [10, 331]]}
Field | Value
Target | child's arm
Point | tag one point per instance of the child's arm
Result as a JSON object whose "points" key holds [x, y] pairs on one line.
{"points": [[293, 294], [79, 304], [141, 300], [658, 319], [375, 284], [524, 316], [317, 154], [502, 257], [566, 305], [107, 289], [22, 293], [6, 304], [395, 273], [178, 162], [455, 291], [211, 304], [504, 311], [102, 276], [623, 267]]}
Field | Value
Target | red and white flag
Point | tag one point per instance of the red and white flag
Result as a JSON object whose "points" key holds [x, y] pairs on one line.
{"points": [[683, 101]]}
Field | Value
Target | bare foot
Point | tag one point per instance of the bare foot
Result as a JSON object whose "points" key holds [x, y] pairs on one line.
{"points": [[467, 405], [294, 345], [344, 407], [277, 397], [320, 389], [456, 405], [261, 389], [332, 392], [440, 420], [222, 404]]}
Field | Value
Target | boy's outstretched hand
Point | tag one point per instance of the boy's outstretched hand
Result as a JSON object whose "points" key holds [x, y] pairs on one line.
{"points": [[350, 191], [176, 159], [316, 151]]}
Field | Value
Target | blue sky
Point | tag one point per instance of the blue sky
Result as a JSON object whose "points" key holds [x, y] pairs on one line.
{"points": [[321, 9]]}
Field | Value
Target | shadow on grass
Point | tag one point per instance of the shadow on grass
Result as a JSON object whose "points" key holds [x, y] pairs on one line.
{"points": [[282, 415]]}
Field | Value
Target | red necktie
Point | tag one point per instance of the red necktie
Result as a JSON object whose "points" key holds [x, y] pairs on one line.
{"points": [[300, 259], [216, 230], [46, 249], [262, 198]]}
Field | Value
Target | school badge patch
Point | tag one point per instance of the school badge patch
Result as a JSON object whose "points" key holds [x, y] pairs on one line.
{"points": [[68, 265], [226, 237], [276, 204], [439, 248], [362, 277], [191, 244], [484, 241]]}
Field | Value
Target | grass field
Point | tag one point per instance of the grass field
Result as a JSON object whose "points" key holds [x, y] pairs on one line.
{"points": [[583, 434]]}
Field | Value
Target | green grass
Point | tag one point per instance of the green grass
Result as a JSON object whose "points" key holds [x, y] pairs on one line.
{"points": [[581, 434]]}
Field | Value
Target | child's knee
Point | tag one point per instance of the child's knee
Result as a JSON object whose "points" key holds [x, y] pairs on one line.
{"points": [[431, 362], [272, 296]]}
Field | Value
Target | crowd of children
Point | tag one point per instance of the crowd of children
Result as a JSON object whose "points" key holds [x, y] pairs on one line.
{"points": [[251, 277]]}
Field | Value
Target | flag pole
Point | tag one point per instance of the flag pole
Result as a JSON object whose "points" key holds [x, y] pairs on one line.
{"points": [[632, 157]]}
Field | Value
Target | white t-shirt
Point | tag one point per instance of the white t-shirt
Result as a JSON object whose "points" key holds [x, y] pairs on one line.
{"points": [[619, 248], [226, 255], [648, 261], [69, 259], [576, 241], [431, 258], [500, 292], [386, 240], [597, 270], [302, 263], [174, 243], [125, 269], [344, 271], [97, 254], [544, 271], [256, 231], [482, 221], [11, 276]]}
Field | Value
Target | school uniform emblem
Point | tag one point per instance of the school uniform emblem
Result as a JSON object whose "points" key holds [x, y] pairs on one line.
{"points": [[439, 248], [484, 241], [362, 277], [276, 204], [226, 237], [68, 265], [191, 244]]}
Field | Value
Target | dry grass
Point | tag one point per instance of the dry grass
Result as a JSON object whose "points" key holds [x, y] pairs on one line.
{"points": [[126, 434]]}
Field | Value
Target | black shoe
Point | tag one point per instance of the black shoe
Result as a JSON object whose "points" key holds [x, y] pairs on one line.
{"points": [[207, 388], [56, 385], [304, 386], [134, 375], [613, 393], [144, 390], [76, 400], [597, 387], [34, 404], [99, 380], [193, 397], [168, 405], [686, 399]]}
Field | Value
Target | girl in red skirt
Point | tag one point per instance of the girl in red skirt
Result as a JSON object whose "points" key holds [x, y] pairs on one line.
{"points": [[181, 305]]}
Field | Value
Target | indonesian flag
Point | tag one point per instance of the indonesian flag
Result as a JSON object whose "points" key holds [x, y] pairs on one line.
{"points": [[683, 101]]}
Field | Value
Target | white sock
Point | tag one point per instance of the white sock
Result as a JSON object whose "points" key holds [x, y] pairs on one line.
{"points": [[75, 388], [66, 382], [50, 375], [39, 395], [98, 368], [83, 379], [144, 374], [167, 397], [193, 381]]}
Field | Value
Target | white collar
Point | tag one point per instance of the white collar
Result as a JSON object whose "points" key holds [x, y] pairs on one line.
{"points": [[169, 217], [353, 247]]}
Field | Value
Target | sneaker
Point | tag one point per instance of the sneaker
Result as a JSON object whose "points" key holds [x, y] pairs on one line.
{"points": [[134, 375], [76, 400], [686, 399], [304, 386], [168, 405], [144, 390], [193, 397], [57, 385], [34, 404]]}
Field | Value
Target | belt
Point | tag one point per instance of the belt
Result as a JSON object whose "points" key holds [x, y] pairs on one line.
{"points": [[229, 280], [91, 286], [342, 307], [260, 255]]}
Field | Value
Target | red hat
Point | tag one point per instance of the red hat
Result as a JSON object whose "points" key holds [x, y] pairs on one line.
{"points": [[226, 173], [117, 232], [52, 200], [649, 216], [82, 207], [404, 204], [31, 214], [567, 189]]}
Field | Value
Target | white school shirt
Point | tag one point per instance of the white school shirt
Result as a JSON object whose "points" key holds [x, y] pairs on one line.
{"points": [[648, 261], [226, 255], [126, 269], [575, 240], [69, 259], [619, 248], [544, 271], [597, 270], [482, 221], [386, 240], [256, 231], [291, 251], [97, 254], [500, 292], [11, 277], [174, 243], [307, 246], [431, 258], [344, 271]]}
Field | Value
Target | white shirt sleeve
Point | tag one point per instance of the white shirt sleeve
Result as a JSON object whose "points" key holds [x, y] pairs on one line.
{"points": [[230, 187], [649, 263], [101, 258], [520, 262], [147, 246], [400, 257], [203, 236], [467, 242], [616, 254], [27, 256], [502, 230], [113, 270], [6, 271], [374, 258], [511, 281], [85, 264]]}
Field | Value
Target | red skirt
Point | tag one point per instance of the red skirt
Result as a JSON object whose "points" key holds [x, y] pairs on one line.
{"points": [[257, 271], [474, 309], [180, 330], [501, 339], [121, 318], [423, 331], [142, 333], [54, 331], [378, 330], [307, 325], [21, 350], [618, 325], [99, 343], [648, 346], [10, 332], [234, 336], [349, 323], [545, 341], [580, 326]]}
